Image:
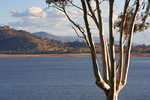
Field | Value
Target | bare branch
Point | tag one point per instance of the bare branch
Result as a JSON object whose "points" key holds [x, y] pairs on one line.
{"points": [[85, 37], [78, 7], [103, 43], [99, 80], [46, 8], [120, 63], [75, 5], [127, 58], [93, 14], [96, 69], [118, 66], [58, 7], [99, 4], [77, 33], [77, 25], [126, 38]]}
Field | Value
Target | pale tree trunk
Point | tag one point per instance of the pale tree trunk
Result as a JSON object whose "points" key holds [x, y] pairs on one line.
{"points": [[99, 80], [110, 98], [121, 45], [108, 83], [103, 44], [112, 94], [105, 53], [127, 58]]}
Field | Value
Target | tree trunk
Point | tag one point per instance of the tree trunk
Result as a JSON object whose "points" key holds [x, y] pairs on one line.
{"points": [[109, 97]]}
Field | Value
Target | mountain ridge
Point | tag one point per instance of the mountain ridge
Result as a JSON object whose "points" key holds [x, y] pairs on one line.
{"points": [[48, 36], [70, 38], [14, 41], [22, 41]]}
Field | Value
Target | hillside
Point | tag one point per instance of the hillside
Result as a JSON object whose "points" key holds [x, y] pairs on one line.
{"points": [[70, 38], [19, 41], [48, 36]]}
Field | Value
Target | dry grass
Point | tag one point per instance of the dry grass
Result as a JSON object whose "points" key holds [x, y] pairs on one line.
{"points": [[63, 55]]}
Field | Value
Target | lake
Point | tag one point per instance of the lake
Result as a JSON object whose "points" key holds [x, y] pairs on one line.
{"points": [[66, 78]]}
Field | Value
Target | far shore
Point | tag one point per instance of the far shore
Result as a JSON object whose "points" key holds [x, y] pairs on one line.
{"points": [[64, 55]]}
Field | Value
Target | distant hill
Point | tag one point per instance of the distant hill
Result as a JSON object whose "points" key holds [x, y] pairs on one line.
{"points": [[96, 39], [19, 41], [76, 38], [70, 38], [48, 36], [14, 41]]}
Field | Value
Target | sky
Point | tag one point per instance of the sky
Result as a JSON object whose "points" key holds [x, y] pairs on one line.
{"points": [[26, 15]]}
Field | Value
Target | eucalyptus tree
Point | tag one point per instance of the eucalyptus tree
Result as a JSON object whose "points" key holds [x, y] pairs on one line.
{"points": [[114, 76]]}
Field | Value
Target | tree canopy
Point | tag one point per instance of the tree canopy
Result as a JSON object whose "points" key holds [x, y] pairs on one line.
{"points": [[141, 22], [59, 2]]}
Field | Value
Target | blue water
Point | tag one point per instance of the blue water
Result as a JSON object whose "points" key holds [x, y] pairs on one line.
{"points": [[66, 78]]}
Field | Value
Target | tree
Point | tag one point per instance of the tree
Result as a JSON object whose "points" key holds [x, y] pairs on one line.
{"points": [[114, 77], [140, 23]]}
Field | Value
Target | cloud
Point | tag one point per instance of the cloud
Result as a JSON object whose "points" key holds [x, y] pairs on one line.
{"points": [[33, 11], [33, 20], [52, 21]]}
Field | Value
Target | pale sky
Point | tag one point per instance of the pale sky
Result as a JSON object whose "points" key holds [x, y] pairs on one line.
{"points": [[25, 15]]}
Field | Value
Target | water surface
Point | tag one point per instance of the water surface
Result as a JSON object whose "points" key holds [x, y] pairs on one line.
{"points": [[66, 78]]}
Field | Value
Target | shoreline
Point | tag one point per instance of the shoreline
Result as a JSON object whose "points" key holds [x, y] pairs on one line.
{"points": [[64, 55], [46, 55]]}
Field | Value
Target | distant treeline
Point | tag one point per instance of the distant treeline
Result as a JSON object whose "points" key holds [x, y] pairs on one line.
{"points": [[69, 48], [21, 42]]}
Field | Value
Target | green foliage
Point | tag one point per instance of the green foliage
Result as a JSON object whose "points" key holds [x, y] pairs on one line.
{"points": [[58, 2]]}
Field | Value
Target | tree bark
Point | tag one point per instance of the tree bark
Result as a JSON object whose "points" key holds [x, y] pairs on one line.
{"points": [[108, 82], [127, 58], [99, 80], [110, 98], [121, 46], [103, 44], [112, 93]]}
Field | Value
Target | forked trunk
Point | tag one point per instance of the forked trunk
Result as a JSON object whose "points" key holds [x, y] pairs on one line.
{"points": [[110, 97]]}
